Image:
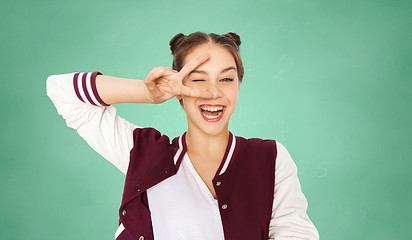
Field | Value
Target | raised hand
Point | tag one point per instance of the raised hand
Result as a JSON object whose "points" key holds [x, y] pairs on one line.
{"points": [[164, 83]]}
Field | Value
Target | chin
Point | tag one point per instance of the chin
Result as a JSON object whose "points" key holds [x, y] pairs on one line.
{"points": [[213, 128], [215, 131]]}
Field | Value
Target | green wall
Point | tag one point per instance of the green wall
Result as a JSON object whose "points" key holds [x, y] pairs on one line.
{"points": [[331, 80]]}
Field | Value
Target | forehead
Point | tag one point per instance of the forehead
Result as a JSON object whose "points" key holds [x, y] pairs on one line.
{"points": [[220, 57]]}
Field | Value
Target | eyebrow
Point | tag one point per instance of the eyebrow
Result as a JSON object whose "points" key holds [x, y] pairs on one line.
{"points": [[205, 73]]}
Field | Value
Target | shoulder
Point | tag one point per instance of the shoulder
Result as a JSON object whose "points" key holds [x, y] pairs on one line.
{"points": [[151, 148], [150, 139], [149, 136], [256, 150], [281, 149], [261, 146], [258, 144], [148, 133]]}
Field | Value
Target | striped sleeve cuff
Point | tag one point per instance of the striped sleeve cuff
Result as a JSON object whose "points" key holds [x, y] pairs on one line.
{"points": [[85, 88]]}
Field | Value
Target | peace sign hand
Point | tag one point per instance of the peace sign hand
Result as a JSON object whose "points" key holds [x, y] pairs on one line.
{"points": [[164, 83]]}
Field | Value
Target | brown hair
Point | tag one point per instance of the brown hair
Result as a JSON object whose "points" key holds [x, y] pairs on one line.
{"points": [[181, 45]]}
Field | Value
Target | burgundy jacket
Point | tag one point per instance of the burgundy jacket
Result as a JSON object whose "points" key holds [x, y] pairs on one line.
{"points": [[244, 184]]}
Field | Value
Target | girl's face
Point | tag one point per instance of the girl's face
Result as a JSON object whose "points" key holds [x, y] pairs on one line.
{"points": [[219, 76]]}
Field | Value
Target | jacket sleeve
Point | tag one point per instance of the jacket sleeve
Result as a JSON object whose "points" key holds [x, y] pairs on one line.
{"points": [[76, 99], [289, 217]]}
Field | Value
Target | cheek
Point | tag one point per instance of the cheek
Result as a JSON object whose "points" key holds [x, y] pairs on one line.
{"points": [[232, 95], [188, 102]]}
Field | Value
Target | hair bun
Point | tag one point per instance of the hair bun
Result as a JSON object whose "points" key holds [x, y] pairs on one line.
{"points": [[234, 37], [176, 40]]}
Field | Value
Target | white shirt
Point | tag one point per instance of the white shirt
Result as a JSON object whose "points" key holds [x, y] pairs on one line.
{"points": [[184, 206]]}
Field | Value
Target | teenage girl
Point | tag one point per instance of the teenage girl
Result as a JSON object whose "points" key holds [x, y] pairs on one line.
{"points": [[205, 184]]}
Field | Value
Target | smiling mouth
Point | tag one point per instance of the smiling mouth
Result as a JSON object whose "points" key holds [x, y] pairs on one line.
{"points": [[212, 113]]}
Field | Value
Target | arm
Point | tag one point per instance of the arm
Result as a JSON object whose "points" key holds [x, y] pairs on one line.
{"points": [[83, 99], [289, 217], [86, 111], [121, 90]]}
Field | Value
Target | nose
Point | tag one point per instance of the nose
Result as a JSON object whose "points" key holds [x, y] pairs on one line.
{"points": [[215, 90]]}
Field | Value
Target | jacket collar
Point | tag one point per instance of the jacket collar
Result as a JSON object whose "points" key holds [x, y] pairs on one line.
{"points": [[139, 180], [226, 158]]}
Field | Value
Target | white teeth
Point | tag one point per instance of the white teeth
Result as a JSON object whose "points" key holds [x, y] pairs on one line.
{"points": [[212, 109], [206, 109]]}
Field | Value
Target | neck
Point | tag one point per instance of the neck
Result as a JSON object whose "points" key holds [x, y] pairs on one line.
{"points": [[199, 143]]}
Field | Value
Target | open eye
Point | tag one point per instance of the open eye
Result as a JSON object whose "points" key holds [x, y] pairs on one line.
{"points": [[227, 80]]}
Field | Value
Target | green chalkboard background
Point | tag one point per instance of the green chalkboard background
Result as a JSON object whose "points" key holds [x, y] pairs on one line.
{"points": [[331, 80]]}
